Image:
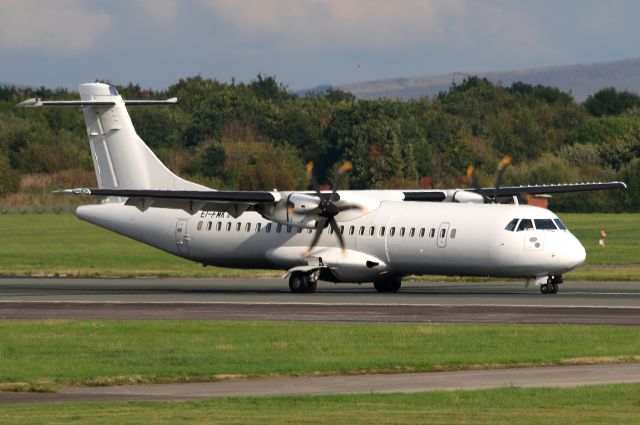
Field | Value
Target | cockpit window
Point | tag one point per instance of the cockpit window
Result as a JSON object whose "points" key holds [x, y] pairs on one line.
{"points": [[113, 91], [512, 225], [560, 224], [525, 224], [544, 224]]}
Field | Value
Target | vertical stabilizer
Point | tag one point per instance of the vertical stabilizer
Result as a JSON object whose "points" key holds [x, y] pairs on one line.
{"points": [[120, 157]]}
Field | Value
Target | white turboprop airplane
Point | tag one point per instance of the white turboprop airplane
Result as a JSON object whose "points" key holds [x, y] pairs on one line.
{"points": [[376, 236]]}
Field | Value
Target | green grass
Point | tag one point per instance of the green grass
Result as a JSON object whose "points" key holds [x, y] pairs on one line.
{"points": [[592, 405], [60, 244], [40, 355]]}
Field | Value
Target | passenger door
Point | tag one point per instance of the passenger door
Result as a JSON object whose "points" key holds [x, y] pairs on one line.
{"points": [[182, 237]]}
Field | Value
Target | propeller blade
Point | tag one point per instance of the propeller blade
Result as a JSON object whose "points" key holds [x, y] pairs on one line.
{"points": [[336, 230], [502, 167], [312, 178], [349, 207], [320, 225], [471, 179], [337, 181]]}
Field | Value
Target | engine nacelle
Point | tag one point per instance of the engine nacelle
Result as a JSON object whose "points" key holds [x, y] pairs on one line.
{"points": [[293, 206], [465, 196]]}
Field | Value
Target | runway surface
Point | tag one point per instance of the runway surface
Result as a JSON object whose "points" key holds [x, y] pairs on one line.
{"points": [[566, 376], [269, 299]]}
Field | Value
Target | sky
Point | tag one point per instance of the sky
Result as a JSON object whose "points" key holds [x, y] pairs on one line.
{"points": [[304, 43]]}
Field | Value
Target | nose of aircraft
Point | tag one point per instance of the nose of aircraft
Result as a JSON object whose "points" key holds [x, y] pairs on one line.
{"points": [[575, 253]]}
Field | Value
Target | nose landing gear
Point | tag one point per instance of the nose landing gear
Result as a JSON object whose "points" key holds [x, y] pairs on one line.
{"points": [[302, 283], [551, 287]]}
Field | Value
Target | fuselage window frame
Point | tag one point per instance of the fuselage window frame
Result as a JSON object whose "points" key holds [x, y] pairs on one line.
{"points": [[199, 228], [513, 225], [412, 232], [421, 233], [402, 230], [525, 222], [218, 226], [432, 232], [258, 226], [267, 228], [381, 232], [361, 231], [279, 228], [238, 226], [352, 230], [228, 226], [209, 224]]}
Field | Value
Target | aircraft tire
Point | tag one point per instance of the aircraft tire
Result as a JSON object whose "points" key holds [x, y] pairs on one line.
{"points": [[311, 286], [387, 285], [298, 283], [544, 288], [554, 288]]}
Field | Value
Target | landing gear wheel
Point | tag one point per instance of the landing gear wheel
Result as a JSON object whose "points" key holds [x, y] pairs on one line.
{"points": [[387, 285], [300, 283], [549, 288]]}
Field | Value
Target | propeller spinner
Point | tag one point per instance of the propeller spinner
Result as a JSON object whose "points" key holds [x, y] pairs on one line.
{"points": [[327, 210]]}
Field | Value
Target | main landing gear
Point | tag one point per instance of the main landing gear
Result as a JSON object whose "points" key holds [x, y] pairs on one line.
{"points": [[387, 285], [301, 283], [551, 287]]}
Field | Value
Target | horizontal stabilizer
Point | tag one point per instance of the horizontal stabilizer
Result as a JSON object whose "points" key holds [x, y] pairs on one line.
{"points": [[37, 102]]}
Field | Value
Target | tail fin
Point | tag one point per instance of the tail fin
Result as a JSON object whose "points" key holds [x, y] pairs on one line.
{"points": [[120, 157]]}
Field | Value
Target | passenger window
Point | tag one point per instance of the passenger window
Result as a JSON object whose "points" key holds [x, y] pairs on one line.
{"points": [[372, 230], [560, 224], [209, 225], [342, 230], [412, 232], [512, 225], [422, 232], [382, 231], [228, 226], [247, 227], [267, 228], [402, 231], [392, 231], [525, 224], [443, 233], [432, 232], [361, 232], [351, 230], [278, 228], [453, 234], [199, 225], [258, 226], [544, 224], [218, 226], [238, 226], [289, 228]]}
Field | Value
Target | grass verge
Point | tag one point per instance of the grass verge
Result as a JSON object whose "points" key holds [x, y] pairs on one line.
{"points": [[597, 405], [42, 355]]}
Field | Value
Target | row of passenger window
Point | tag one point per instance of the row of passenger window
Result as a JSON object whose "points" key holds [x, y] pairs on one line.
{"points": [[402, 231], [520, 225]]}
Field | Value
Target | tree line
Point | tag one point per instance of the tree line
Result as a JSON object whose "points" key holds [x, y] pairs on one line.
{"points": [[258, 136]]}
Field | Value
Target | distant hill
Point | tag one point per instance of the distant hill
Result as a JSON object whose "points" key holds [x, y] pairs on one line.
{"points": [[580, 80]]}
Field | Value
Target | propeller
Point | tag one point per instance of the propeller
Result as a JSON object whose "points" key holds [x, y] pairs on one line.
{"points": [[500, 169], [327, 210]]}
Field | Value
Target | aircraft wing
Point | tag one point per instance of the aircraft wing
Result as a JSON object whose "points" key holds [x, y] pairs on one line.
{"points": [[549, 188]]}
